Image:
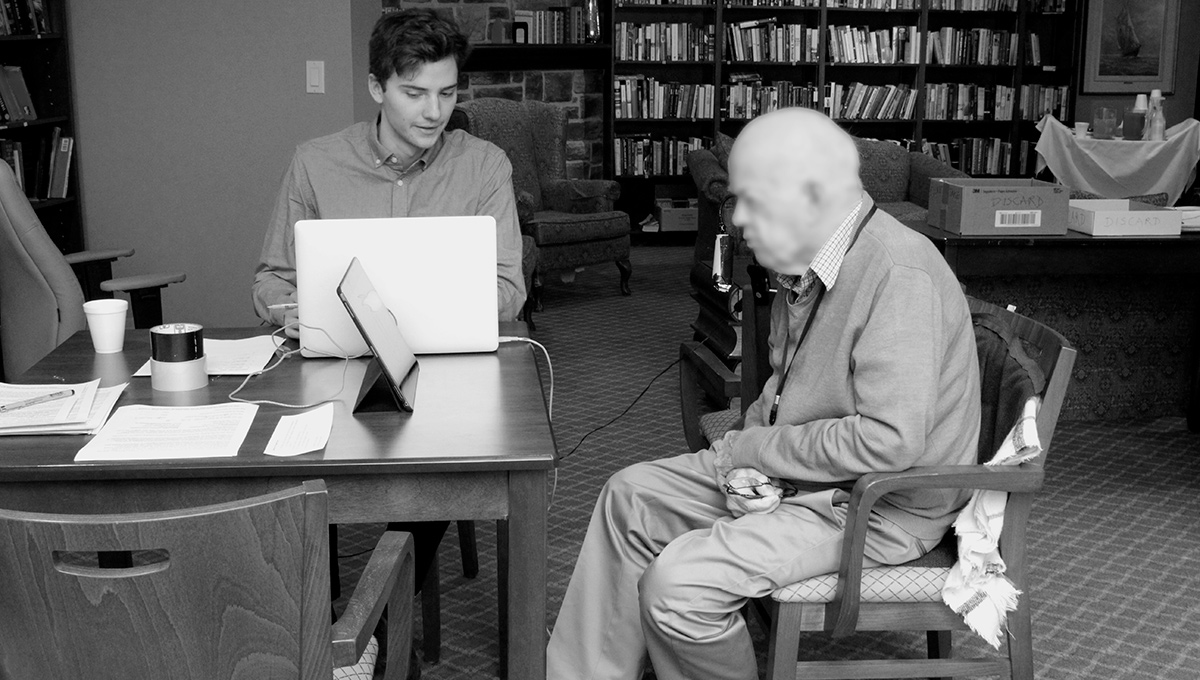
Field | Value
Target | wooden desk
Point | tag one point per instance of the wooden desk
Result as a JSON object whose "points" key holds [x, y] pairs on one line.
{"points": [[1079, 254], [477, 447]]}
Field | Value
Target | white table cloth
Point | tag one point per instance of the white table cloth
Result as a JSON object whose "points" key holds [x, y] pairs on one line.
{"points": [[1116, 168]]}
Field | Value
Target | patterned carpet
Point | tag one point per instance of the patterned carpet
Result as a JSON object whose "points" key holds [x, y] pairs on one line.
{"points": [[1115, 537]]}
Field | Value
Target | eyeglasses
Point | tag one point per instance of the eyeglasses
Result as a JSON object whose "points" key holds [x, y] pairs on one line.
{"points": [[753, 490]]}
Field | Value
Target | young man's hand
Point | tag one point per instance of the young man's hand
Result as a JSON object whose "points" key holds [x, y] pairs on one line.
{"points": [[291, 323]]}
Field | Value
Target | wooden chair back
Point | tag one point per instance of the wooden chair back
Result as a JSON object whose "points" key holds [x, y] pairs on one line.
{"points": [[236, 590]]}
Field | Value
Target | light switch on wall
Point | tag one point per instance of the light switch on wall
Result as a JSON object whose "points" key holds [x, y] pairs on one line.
{"points": [[314, 82]]}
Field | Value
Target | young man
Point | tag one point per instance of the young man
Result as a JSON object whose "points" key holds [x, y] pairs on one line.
{"points": [[402, 164], [885, 378]]}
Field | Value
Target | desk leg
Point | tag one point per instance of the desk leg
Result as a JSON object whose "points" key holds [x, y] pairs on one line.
{"points": [[523, 568], [1193, 406]]}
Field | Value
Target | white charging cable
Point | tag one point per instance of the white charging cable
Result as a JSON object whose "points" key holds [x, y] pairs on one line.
{"points": [[345, 356], [549, 364]]}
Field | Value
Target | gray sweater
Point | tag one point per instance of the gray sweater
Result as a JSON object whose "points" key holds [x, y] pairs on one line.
{"points": [[887, 379]]}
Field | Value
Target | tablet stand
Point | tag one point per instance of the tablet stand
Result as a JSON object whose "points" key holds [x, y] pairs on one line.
{"points": [[374, 396]]}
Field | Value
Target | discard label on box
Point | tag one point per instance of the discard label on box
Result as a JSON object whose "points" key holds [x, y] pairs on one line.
{"points": [[677, 214], [998, 207], [1111, 217]]}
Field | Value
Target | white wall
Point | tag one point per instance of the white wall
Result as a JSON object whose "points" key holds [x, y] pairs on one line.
{"points": [[188, 113]]}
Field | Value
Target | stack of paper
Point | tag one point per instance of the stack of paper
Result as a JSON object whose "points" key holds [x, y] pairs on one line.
{"points": [[82, 410], [163, 433]]}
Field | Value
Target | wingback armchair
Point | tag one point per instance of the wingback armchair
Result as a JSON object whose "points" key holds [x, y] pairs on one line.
{"points": [[41, 299], [571, 220]]}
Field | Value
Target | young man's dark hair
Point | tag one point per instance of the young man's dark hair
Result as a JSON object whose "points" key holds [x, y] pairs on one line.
{"points": [[402, 41]]}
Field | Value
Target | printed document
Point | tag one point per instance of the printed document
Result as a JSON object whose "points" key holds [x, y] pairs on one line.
{"points": [[171, 432], [67, 411], [302, 433]]}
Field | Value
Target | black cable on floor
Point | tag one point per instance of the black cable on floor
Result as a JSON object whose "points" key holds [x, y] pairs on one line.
{"points": [[622, 413]]}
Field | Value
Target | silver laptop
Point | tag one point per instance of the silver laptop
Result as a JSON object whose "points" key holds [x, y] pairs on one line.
{"points": [[436, 274]]}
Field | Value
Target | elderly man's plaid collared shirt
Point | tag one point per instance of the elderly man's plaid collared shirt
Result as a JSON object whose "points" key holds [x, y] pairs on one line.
{"points": [[827, 263]]}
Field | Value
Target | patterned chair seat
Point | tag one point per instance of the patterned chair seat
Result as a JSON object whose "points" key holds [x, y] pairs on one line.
{"points": [[882, 584], [365, 668], [551, 227], [714, 425]]}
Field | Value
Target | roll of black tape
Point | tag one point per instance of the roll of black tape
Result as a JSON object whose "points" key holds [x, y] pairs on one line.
{"points": [[175, 342]]}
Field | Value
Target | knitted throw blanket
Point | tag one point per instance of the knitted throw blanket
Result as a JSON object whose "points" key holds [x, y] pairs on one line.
{"points": [[976, 587]]}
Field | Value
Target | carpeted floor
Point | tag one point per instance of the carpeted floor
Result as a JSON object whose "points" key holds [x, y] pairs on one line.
{"points": [[1115, 537]]}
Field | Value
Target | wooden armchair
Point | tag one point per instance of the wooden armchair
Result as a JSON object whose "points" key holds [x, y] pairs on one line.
{"points": [[908, 597], [236, 590]]}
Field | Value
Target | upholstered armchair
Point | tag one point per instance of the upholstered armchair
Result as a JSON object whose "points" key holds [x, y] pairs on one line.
{"points": [[571, 220]]}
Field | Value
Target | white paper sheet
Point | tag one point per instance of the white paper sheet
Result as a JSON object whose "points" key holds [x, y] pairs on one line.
{"points": [[301, 433], [171, 432], [231, 357], [61, 412], [106, 399]]}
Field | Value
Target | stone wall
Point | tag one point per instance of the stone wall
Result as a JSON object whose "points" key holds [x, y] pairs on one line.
{"points": [[580, 93]]}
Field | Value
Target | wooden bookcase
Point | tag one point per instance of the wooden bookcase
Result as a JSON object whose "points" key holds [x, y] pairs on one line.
{"points": [[46, 64], [1057, 40]]}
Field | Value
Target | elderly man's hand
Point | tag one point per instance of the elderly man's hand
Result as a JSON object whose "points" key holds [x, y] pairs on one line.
{"points": [[754, 483], [291, 323]]}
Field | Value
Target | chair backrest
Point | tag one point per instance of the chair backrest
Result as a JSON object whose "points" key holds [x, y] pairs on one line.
{"points": [[41, 303], [883, 167], [533, 134], [1053, 356], [236, 590]]}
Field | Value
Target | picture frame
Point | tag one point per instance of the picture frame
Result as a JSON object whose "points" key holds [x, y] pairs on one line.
{"points": [[1131, 46]]}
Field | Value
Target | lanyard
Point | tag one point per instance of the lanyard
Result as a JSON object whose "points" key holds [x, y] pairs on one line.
{"points": [[812, 315]]}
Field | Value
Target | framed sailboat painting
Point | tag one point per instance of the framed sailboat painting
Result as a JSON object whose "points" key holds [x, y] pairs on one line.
{"points": [[1131, 46]]}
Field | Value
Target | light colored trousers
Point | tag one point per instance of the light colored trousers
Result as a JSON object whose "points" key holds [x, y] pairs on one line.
{"points": [[665, 569]]}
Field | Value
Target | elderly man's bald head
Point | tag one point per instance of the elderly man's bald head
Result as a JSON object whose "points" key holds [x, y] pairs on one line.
{"points": [[795, 174], [798, 145]]}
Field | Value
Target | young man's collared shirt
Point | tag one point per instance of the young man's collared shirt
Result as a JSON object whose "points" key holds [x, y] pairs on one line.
{"points": [[827, 262], [350, 175]]}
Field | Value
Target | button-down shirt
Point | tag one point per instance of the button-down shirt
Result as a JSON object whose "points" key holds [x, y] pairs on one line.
{"points": [[351, 175], [826, 264]]}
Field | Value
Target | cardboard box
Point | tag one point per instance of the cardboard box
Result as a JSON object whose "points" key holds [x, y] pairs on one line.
{"points": [[998, 207], [1119, 217], [677, 214]]}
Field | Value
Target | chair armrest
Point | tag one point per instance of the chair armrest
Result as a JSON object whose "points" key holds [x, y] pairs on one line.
{"points": [[713, 372], [1025, 478], [86, 256], [712, 179], [526, 207], [142, 282], [580, 196], [922, 168], [390, 571]]}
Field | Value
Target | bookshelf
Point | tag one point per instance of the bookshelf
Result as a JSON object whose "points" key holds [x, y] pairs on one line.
{"points": [[957, 78], [41, 52]]}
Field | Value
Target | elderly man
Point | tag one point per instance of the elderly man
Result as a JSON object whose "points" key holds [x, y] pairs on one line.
{"points": [[873, 370]]}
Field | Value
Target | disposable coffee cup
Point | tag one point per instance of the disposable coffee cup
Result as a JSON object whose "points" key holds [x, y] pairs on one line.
{"points": [[106, 323], [1081, 129]]}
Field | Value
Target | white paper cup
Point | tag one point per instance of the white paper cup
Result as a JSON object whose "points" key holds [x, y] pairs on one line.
{"points": [[1081, 129], [106, 322]]}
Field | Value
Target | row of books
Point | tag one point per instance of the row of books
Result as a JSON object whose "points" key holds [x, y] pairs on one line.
{"points": [[748, 96], [859, 101], [1039, 100], [664, 41], [15, 102], [637, 96], [644, 156], [979, 47], [766, 40], [968, 101], [861, 45], [51, 164], [23, 17], [643, 3], [975, 5], [553, 26], [984, 155]]}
